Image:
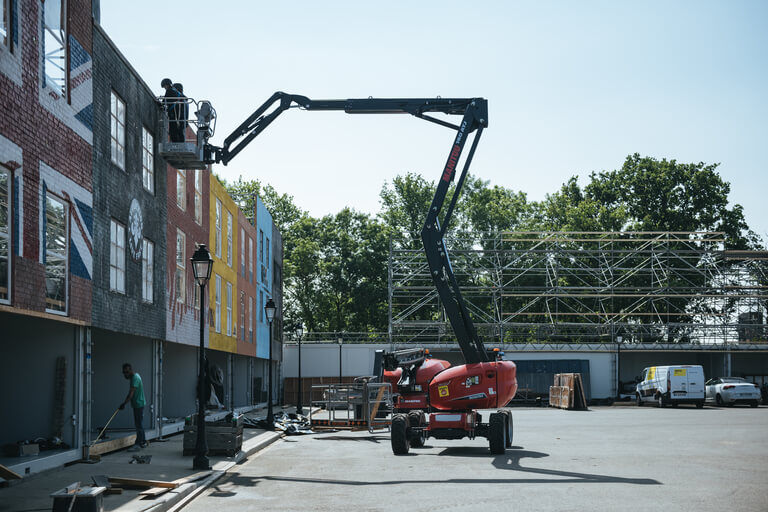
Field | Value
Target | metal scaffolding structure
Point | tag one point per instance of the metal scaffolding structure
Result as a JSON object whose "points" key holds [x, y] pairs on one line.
{"points": [[548, 288]]}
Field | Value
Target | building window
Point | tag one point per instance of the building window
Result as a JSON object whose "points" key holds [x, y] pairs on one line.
{"points": [[261, 246], [250, 319], [5, 23], [229, 309], [199, 197], [229, 239], [181, 189], [181, 266], [261, 306], [116, 257], [147, 270], [250, 259], [56, 237], [148, 159], [218, 229], [55, 45], [242, 316], [267, 255], [217, 300], [242, 251], [5, 235], [197, 297], [117, 129]]}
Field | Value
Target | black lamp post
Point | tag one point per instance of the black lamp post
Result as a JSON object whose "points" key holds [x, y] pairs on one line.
{"points": [[269, 309], [299, 404], [202, 265]]}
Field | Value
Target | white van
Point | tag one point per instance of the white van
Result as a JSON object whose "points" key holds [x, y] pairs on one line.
{"points": [[672, 385]]}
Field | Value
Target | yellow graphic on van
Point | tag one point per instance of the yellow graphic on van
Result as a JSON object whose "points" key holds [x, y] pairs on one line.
{"points": [[651, 373], [679, 372]]}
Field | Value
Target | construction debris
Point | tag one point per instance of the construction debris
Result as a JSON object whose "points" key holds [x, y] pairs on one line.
{"points": [[8, 474], [141, 459], [290, 423]]}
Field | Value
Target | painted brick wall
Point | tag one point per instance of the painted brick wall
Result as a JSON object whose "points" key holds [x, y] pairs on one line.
{"points": [[221, 267], [182, 318], [120, 195], [246, 286], [49, 135]]}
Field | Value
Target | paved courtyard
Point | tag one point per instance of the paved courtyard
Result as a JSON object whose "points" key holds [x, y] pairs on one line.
{"points": [[608, 458]]}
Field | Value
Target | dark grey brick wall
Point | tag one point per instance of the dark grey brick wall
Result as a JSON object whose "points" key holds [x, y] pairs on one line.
{"points": [[115, 189]]}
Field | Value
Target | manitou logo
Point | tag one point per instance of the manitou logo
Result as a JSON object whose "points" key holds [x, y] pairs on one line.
{"points": [[451, 166]]}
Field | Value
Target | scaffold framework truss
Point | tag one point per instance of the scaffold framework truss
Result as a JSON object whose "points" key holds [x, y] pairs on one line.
{"points": [[588, 287]]}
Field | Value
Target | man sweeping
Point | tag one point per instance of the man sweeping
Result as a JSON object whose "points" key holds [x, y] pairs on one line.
{"points": [[136, 398]]}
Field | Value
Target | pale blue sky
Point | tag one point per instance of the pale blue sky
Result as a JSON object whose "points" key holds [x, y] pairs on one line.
{"points": [[572, 87]]}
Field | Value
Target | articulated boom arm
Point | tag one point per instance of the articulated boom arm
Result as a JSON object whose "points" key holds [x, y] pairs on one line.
{"points": [[474, 112]]}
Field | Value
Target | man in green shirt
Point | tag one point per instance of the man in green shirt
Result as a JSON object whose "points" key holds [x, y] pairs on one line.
{"points": [[136, 398]]}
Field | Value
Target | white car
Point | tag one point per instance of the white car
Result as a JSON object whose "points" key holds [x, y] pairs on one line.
{"points": [[732, 390]]}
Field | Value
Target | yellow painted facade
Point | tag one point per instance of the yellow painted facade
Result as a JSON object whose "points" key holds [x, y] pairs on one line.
{"points": [[224, 251]]}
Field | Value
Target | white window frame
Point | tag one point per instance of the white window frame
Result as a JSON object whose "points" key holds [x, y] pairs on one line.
{"points": [[64, 255], [199, 196], [6, 29], [229, 239], [217, 301], [180, 278], [148, 159], [116, 256], [242, 315], [181, 189], [218, 229], [117, 129], [229, 308], [56, 58], [5, 230], [147, 271]]}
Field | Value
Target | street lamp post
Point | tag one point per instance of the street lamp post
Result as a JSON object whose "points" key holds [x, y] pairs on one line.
{"points": [[202, 265], [269, 309], [299, 404], [341, 341]]}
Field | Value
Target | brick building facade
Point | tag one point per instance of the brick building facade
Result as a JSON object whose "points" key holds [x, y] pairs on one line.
{"points": [[96, 234]]}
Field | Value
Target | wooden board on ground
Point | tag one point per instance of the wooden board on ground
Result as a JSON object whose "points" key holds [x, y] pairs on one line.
{"points": [[8, 474], [112, 445], [138, 482], [154, 492]]}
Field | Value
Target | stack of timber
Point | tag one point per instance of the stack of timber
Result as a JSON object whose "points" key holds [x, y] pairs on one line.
{"points": [[568, 392], [224, 437]]}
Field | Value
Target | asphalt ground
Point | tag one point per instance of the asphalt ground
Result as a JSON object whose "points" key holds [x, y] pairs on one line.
{"points": [[608, 458]]}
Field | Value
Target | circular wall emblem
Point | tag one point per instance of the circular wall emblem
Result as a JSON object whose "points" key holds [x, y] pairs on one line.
{"points": [[135, 228]]}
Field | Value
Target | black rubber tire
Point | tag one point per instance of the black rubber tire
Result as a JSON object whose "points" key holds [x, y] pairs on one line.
{"points": [[719, 400], [753, 404], [399, 434], [497, 433], [416, 419], [638, 400], [661, 401], [699, 405], [674, 404], [510, 429]]}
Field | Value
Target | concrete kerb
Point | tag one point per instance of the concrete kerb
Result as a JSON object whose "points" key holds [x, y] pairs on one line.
{"points": [[179, 497]]}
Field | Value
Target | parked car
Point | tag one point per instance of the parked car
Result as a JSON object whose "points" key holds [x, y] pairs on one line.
{"points": [[732, 390], [671, 385]]}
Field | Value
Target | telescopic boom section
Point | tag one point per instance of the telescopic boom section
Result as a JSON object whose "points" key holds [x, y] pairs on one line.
{"points": [[474, 112]]}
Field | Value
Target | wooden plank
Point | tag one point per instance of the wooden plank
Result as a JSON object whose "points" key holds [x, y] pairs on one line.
{"points": [[8, 474], [154, 492], [138, 482], [112, 445]]}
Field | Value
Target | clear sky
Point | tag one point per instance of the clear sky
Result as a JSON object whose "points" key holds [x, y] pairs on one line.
{"points": [[573, 87]]}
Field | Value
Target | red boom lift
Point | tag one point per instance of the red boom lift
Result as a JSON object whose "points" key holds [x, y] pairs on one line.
{"points": [[450, 395]]}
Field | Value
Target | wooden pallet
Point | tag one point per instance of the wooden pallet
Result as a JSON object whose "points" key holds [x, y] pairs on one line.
{"points": [[568, 392]]}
